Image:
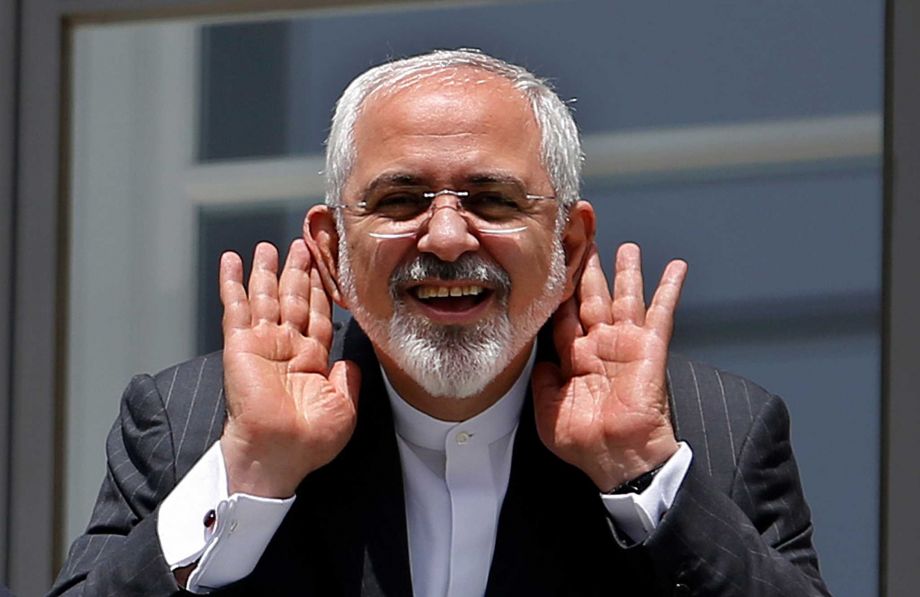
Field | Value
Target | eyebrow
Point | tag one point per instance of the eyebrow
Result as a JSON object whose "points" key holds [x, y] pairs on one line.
{"points": [[405, 179], [492, 178], [394, 179]]}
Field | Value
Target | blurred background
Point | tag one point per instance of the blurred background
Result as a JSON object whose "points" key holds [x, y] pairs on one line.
{"points": [[745, 137]]}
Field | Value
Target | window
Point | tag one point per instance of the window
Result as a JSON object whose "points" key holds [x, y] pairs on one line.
{"points": [[749, 146]]}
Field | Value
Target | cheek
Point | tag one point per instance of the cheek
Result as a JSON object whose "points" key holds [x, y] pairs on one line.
{"points": [[528, 263], [372, 264]]}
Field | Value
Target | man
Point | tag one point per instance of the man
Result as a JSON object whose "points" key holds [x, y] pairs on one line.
{"points": [[433, 444]]}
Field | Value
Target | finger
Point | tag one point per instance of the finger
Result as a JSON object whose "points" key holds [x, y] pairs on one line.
{"points": [[628, 295], [232, 294], [566, 329], [346, 378], [263, 284], [660, 317], [320, 324], [593, 293], [294, 287]]}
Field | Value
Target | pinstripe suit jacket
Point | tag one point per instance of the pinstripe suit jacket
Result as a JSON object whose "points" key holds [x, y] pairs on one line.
{"points": [[739, 524]]}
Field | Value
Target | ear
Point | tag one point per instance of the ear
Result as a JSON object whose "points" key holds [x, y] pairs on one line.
{"points": [[577, 238], [322, 238]]}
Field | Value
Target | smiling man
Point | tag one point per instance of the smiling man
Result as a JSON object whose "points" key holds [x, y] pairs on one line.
{"points": [[493, 421]]}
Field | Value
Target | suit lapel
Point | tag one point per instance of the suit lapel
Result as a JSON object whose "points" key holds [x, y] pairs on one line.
{"points": [[553, 536], [376, 477], [386, 562], [523, 541]]}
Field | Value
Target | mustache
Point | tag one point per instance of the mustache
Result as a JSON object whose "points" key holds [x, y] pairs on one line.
{"points": [[468, 267]]}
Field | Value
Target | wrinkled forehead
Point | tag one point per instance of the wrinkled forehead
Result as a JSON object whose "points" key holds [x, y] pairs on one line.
{"points": [[459, 119]]}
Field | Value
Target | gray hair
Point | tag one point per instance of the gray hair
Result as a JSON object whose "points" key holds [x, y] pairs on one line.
{"points": [[560, 147]]}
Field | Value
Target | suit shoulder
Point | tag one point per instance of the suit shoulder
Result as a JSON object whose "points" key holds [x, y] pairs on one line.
{"points": [[192, 395], [180, 381], [692, 381], [173, 388], [715, 411]]}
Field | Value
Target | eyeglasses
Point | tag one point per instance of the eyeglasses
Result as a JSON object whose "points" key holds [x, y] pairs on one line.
{"points": [[493, 208]]}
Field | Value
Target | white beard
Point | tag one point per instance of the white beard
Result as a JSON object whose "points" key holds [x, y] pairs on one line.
{"points": [[456, 361], [450, 360]]}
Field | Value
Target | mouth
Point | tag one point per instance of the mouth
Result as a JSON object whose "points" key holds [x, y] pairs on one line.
{"points": [[454, 302]]}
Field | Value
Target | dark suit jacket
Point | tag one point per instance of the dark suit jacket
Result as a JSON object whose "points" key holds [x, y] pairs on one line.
{"points": [[739, 524]]}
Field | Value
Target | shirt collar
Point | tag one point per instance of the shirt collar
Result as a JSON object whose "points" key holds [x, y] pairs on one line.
{"points": [[495, 422]]}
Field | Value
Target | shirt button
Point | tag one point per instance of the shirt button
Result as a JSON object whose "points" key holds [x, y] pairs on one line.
{"points": [[463, 437]]}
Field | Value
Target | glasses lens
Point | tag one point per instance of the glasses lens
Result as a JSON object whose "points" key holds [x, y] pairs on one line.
{"points": [[399, 204], [491, 208], [498, 204]]}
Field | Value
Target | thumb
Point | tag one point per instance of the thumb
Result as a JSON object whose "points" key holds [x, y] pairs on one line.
{"points": [[546, 382], [346, 378]]}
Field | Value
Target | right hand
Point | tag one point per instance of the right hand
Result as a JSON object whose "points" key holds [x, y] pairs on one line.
{"points": [[288, 412]]}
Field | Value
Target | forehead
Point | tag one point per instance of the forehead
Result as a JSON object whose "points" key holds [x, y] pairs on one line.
{"points": [[460, 118], [460, 97], [433, 80]]}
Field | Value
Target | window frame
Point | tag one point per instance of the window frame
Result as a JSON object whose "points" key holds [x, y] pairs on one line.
{"points": [[34, 65]]}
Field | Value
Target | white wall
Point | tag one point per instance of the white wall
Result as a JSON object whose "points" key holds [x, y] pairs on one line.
{"points": [[132, 286]]}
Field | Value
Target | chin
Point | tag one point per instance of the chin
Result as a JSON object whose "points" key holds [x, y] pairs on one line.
{"points": [[449, 361]]}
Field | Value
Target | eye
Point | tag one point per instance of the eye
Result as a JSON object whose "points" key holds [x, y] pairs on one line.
{"points": [[397, 205], [496, 204]]}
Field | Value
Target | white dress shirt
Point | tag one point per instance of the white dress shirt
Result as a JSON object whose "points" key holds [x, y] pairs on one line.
{"points": [[454, 474]]}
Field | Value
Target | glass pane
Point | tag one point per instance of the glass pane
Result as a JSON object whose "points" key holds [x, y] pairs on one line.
{"points": [[245, 82], [237, 228], [744, 137], [629, 69]]}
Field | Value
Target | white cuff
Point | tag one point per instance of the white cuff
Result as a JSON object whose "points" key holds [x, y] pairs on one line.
{"points": [[231, 546], [638, 514]]}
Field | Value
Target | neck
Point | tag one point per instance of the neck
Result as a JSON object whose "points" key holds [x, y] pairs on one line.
{"points": [[448, 408]]}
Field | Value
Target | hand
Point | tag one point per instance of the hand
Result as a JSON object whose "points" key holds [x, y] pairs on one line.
{"points": [[605, 409], [288, 412]]}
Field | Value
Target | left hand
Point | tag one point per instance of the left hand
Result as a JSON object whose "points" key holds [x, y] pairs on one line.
{"points": [[605, 408]]}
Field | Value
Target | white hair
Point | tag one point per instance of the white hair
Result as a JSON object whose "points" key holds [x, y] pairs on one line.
{"points": [[560, 147]]}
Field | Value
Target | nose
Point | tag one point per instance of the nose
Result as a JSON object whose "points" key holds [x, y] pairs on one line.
{"points": [[447, 234]]}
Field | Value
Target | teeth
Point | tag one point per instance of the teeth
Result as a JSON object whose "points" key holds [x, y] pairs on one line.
{"points": [[426, 292]]}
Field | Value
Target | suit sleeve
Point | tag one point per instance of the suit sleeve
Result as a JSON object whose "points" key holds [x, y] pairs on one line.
{"points": [[754, 541], [119, 553]]}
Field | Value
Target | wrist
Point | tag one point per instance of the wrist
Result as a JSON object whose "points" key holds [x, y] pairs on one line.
{"points": [[629, 467], [257, 475]]}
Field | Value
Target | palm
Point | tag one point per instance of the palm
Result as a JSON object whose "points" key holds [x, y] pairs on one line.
{"points": [[605, 407], [275, 363], [287, 410]]}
